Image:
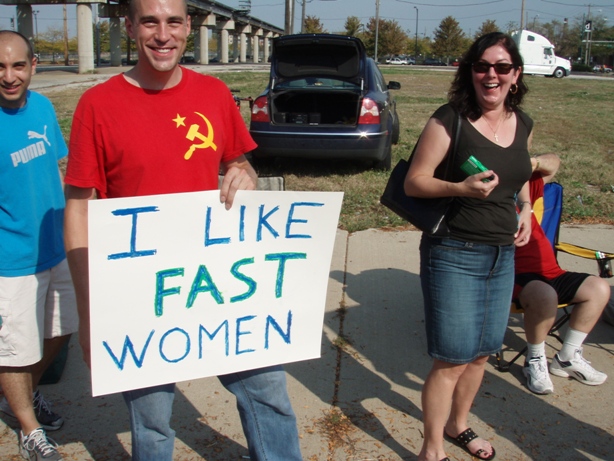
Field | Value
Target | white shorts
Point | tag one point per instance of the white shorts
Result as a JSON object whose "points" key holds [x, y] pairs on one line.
{"points": [[34, 307]]}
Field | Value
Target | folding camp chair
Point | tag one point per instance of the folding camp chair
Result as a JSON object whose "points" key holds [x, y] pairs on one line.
{"points": [[548, 213]]}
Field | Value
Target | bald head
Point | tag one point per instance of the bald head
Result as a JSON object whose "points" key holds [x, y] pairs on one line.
{"points": [[7, 35]]}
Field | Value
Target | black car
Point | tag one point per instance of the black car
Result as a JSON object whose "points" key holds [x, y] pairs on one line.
{"points": [[434, 62], [325, 99]]}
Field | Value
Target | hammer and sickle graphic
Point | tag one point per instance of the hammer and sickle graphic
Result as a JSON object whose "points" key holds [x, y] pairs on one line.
{"points": [[194, 133]]}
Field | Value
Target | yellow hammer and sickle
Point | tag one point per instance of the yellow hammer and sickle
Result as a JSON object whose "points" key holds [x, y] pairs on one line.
{"points": [[193, 133]]}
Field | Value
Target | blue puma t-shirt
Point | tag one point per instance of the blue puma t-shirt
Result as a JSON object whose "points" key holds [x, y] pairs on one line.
{"points": [[31, 196]]}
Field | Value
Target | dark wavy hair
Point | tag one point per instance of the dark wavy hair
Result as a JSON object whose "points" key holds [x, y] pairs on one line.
{"points": [[462, 93], [29, 51]]}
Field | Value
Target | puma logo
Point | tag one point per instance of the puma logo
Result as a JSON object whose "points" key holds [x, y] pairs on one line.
{"points": [[35, 135]]}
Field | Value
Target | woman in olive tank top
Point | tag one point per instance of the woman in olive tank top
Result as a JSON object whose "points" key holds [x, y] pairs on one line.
{"points": [[467, 276]]}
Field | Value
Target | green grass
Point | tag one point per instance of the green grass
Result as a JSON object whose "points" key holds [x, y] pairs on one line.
{"points": [[573, 118]]}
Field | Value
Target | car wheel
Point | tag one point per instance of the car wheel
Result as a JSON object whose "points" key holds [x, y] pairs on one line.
{"points": [[559, 72], [396, 130], [386, 162]]}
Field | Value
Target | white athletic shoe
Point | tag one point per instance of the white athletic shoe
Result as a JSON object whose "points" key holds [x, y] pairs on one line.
{"points": [[538, 379], [578, 368]]}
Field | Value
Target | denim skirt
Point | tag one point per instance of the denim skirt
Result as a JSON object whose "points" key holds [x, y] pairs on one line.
{"points": [[467, 289]]}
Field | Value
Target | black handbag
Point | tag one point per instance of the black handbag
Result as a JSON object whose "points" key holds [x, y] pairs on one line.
{"points": [[427, 214]]}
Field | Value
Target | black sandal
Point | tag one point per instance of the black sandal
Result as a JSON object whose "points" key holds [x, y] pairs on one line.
{"points": [[464, 438]]}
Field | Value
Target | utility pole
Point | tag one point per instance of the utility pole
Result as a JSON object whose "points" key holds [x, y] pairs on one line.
{"points": [[522, 16], [66, 60], [376, 27], [588, 29], [416, 47], [289, 16]]}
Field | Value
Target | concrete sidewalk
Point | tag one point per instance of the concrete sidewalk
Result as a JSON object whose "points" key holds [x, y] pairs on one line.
{"points": [[361, 399]]}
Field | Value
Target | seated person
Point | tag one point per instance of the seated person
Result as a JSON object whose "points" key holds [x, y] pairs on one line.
{"points": [[541, 285]]}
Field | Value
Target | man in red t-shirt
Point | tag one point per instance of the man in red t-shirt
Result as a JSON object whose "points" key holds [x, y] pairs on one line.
{"points": [[541, 285], [159, 129]]}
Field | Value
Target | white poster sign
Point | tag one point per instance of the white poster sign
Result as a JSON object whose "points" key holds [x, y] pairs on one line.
{"points": [[181, 288]]}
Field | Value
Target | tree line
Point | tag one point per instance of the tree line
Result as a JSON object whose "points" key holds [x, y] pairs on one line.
{"points": [[449, 41]]}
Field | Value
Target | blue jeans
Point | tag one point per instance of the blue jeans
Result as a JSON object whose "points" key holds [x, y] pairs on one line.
{"points": [[467, 290], [266, 414]]}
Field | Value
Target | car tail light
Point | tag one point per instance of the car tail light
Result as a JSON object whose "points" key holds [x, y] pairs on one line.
{"points": [[369, 113], [260, 110]]}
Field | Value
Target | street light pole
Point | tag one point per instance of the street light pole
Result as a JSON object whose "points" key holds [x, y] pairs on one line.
{"points": [[35, 13], [416, 48]]}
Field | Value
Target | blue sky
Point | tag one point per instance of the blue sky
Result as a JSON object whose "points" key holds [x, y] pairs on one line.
{"points": [[469, 13]]}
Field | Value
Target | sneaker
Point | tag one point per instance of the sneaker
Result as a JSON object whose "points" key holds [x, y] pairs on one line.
{"points": [[49, 420], [578, 368], [536, 371], [36, 446]]}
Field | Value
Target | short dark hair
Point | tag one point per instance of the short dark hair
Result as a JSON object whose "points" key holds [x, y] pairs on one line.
{"points": [[462, 93], [132, 9], [30, 50]]}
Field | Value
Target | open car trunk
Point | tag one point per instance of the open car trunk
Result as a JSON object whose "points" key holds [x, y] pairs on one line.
{"points": [[318, 107], [316, 80]]}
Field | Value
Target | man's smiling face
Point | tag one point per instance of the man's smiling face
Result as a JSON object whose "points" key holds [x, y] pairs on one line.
{"points": [[160, 29]]}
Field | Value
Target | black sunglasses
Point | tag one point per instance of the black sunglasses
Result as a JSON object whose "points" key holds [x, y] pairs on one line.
{"points": [[501, 68]]}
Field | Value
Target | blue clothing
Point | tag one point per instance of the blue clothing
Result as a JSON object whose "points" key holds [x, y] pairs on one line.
{"points": [[467, 289], [266, 414], [31, 195]]}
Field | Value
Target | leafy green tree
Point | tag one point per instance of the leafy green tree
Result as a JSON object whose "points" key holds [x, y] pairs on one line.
{"points": [[449, 38], [313, 25], [391, 39], [352, 26], [52, 41], [487, 27]]}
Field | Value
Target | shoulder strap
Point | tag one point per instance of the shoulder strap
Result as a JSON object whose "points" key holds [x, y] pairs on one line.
{"points": [[454, 147]]}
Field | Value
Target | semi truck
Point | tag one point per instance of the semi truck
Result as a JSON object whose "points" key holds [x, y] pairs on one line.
{"points": [[538, 55]]}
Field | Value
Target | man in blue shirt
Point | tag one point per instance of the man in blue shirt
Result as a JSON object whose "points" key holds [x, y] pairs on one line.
{"points": [[37, 301]]}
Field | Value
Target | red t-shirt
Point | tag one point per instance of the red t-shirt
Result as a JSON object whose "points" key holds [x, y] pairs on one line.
{"points": [[537, 256], [126, 141]]}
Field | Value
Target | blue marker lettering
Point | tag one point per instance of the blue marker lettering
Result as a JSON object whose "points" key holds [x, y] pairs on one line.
{"points": [[250, 282], [133, 253], [161, 292], [262, 222], [282, 258], [187, 345], [129, 347], [291, 220], [240, 333], [202, 329], [203, 283], [212, 241], [270, 321]]}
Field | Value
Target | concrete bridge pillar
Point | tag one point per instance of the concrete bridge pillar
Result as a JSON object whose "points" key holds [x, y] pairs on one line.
{"points": [[224, 27], [24, 22], [201, 25], [256, 34], [85, 38]]}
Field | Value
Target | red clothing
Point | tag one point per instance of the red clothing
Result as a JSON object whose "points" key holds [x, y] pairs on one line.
{"points": [[537, 256], [127, 141]]}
